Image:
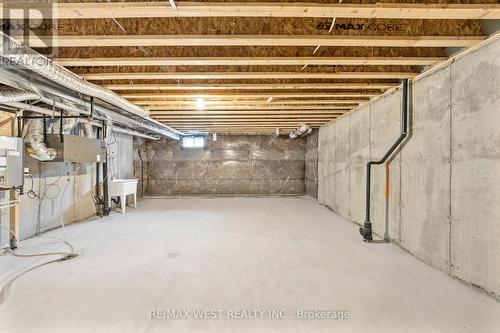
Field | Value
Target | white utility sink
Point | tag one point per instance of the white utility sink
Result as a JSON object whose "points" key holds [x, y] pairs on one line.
{"points": [[121, 188]]}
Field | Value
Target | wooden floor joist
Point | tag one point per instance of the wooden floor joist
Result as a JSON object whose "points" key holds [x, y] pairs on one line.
{"points": [[262, 96], [246, 117], [253, 40], [256, 86], [256, 104], [275, 9], [280, 125], [253, 107], [236, 107], [247, 123], [247, 61], [247, 112], [217, 128], [246, 75], [245, 120]]}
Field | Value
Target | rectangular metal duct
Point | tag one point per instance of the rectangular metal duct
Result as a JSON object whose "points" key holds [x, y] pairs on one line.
{"points": [[74, 148]]}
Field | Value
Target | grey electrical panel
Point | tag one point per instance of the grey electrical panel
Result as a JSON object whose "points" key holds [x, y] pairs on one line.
{"points": [[78, 149], [11, 162]]}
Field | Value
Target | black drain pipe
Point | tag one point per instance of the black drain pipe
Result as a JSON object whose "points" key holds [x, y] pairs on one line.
{"points": [[366, 230], [105, 185]]}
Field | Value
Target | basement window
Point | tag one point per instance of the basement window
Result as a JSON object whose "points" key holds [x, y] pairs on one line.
{"points": [[193, 141]]}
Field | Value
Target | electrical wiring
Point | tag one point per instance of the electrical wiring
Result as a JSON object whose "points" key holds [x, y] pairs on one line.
{"points": [[61, 200], [43, 194], [114, 138], [4, 291], [112, 162], [70, 253], [31, 193], [142, 166], [49, 186]]}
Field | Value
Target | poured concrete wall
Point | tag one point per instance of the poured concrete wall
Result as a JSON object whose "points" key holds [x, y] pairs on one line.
{"points": [[311, 172], [234, 164], [65, 190], [439, 198]]}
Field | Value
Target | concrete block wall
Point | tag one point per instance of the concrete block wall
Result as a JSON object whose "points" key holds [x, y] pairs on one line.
{"points": [[439, 198], [234, 164]]}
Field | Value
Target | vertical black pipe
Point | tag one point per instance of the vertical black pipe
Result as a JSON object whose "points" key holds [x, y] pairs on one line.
{"points": [[105, 171], [97, 180], [366, 231], [19, 127]]}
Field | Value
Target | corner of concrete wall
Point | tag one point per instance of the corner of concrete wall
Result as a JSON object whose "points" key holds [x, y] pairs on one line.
{"points": [[439, 198], [311, 161]]}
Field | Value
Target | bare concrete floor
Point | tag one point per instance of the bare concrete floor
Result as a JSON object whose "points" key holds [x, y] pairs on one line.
{"points": [[229, 254]]}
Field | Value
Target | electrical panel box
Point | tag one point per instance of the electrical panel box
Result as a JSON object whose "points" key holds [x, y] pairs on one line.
{"points": [[78, 149], [11, 162]]}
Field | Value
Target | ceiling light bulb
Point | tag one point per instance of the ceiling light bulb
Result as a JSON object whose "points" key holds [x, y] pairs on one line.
{"points": [[200, 103]]}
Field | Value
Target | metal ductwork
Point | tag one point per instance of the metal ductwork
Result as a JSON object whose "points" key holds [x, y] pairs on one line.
{"points": [[25, 57], [34, 141], [67, 124], [302, 130], [88, 132], [14, 95], [69, 87]]}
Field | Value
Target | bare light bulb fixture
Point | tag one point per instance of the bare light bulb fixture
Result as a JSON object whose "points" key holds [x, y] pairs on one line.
{"points": [[200, 103]]}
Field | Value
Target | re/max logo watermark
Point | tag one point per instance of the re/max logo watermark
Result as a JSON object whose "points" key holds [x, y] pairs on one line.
{"points": [[28, 23], [361, 26]]}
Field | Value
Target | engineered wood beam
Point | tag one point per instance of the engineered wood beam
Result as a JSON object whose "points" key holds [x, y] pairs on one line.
{"points": [[252, 107], [261, 96], [247, 112], [246, 75], [245, 117], [109, 10], [253, 40], [227, 125], [249, 61], [240, 129], [256, 86], [230, 126], [256, 104], [246, 122], [265, 131]]}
